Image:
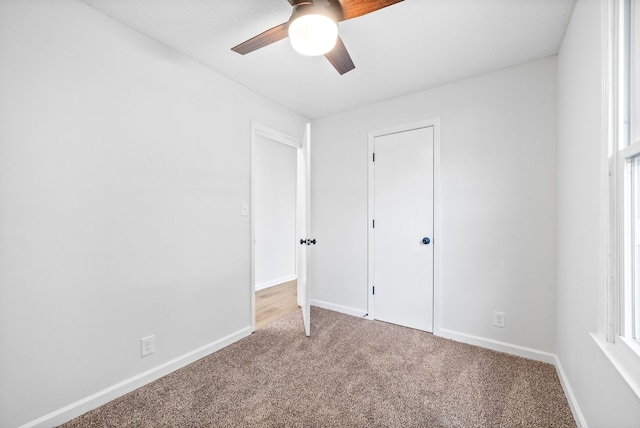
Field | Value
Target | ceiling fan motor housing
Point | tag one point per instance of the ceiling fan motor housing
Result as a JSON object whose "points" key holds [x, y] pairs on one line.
{"points": [[325, 8]]}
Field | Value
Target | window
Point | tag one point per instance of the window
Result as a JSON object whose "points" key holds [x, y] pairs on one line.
{"points": [[624, 297], [630, 290], [619, 337]]}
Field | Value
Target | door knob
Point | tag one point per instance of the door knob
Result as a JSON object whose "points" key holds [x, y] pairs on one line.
{"points": [[426, 241]]}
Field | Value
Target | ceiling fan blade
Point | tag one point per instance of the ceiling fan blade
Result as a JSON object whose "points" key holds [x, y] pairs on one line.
{"points": [[339, 57], [272, 35], [356, 8]]}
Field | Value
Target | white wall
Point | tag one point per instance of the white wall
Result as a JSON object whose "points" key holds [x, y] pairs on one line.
{"points": [[123, 166], [497, 206], [604, 398], [275, 212]]}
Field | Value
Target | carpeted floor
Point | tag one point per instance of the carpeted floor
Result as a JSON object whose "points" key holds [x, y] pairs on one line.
{"points": [[350, 373]]}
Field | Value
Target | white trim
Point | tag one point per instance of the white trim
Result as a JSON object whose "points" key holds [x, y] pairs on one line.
{"points": [[631, 345], [608, 292], [634, 67], [259, 130], [621, 352], [623, 359], [273, 282], [630, 151], [571, 398], [437, 237], [370, 216], [93, 401], [437, 248], [338, 308], [508, 348]]}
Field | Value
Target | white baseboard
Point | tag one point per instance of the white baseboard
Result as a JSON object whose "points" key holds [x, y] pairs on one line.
{"points": [[508, 348], [93, 401], [271, 283], [571, 398], [338, 308]]}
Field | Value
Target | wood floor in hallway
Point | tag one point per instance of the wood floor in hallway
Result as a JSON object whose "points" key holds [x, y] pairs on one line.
{"points": [[275, 302]]}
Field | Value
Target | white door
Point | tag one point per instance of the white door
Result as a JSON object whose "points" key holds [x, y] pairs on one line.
{"points": [[303, 219], [403, 228]]}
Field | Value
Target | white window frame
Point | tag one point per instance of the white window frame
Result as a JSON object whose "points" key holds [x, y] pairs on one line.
{"points": [[626, 148], [622, 134], [626, 302]]}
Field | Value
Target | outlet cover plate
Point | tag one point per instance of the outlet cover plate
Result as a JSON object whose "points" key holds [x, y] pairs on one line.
{"points": [[147, 345], [499, 319]]}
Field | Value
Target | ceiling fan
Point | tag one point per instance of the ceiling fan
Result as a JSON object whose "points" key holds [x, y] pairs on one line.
{"points": [[313, 29]]}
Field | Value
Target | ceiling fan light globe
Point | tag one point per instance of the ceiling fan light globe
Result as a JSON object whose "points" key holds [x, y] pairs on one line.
{"points": [[313, 34]]}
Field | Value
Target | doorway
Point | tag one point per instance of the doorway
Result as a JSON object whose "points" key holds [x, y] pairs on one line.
{"points": [[274, 225], [279, 220], [402, 241], [274, 187]]}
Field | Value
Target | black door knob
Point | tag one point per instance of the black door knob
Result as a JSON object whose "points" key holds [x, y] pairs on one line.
{"points": [[426, 241]]}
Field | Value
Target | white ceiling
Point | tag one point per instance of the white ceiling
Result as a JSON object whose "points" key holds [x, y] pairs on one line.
{"points": [[404, 48]]}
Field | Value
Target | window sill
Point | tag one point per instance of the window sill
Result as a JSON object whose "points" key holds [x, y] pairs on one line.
{"points": [[632, 346], [624, 355]]}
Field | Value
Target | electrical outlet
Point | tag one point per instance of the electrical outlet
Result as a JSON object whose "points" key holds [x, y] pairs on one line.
{"points": [[148, 345], [499, 319]]}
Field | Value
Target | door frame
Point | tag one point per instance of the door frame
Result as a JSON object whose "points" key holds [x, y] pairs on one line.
{"points": [[435, 123], [261, 131]]}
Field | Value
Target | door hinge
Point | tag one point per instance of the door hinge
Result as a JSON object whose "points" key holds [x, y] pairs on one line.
{"points": [[373, 223], [373, 290], [374, 157]]}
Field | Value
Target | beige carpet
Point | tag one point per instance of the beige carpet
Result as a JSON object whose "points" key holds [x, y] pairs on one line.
{"points": [[350, 373]]}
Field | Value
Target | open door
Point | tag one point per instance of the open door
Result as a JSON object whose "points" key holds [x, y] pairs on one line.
{"points": [[303, 211]]}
